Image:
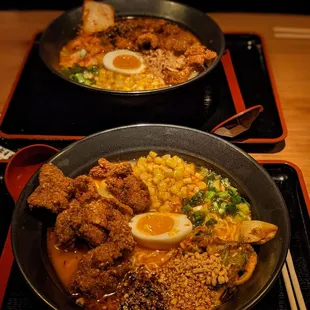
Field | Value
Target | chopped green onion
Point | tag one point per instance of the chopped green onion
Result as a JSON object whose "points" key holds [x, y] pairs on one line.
{"points": [[196, 199], [209, 195], [186, 209], [236, 199], [223, 195], [231, 209], [211, 222], [198, 218], [80, 77]]}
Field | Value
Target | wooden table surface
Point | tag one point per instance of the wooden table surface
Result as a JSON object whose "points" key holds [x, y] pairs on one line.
{"points": [[290, 59]]}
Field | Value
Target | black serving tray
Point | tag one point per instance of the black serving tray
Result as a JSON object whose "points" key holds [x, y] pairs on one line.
{"points": [[289, 179], [42, 106]]}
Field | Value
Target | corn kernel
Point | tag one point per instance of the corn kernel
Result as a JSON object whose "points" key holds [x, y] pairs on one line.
{"points": [[165, 157], [142, 168], [166, 196], [156, 180], [156, 204], [162, 186], [190, 168], [141, 161], [144, 176], [153, 154], [165, 208], [196, 189], [179, 184], [202, 185], [149, 159], [187, 180], [152, 191], [174, 189], [178, 174], [149, 168], [168, 172], [183, 192], [158, 161], [156, 171], [172, 163]]}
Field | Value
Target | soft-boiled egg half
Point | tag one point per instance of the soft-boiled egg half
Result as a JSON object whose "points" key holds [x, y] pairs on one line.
{"points": [[124, 61], [159, 230]]}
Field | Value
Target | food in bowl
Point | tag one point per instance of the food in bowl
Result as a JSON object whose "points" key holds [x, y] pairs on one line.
{"points": [[114, 247], [131, 54]]}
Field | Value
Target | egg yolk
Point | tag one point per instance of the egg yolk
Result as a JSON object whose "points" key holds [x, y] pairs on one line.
{"points": [[155, 224], [126, 62]]}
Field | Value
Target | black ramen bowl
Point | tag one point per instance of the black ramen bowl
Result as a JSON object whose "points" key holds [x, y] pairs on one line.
{"points": [[29, 231], [169, 104]]}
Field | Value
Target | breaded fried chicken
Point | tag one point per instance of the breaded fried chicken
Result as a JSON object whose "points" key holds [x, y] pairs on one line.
{"points": [[96, 222], [123, 184], [85, 189], [100, 271], [54, 190], [106, 169], [119, 231], [115, 204], [197, 55], [88, 223]]}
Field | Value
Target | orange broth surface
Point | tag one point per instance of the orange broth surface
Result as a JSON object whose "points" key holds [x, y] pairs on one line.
{"points": [[64, 262]]}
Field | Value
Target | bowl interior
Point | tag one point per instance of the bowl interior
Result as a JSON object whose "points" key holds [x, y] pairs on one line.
{"points": [[64, 28], [29, 230]]}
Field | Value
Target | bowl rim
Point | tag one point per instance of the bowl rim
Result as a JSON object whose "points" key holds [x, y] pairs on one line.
{"points": [[273, 277], [142, 92]]}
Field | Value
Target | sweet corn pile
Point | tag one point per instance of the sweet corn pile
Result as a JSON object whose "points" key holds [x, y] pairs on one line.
{"points": [[169, 179], [117, 81]]}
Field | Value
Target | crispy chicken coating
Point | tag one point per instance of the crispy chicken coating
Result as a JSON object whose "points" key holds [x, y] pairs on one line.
{"points": [[107, 169], [100, 271], [54, 190], [123, 184], [88, 223], [115, 204], [96, 222], [119, 231], [197, 55], [130, 191], [147, 41], [85, 189]]}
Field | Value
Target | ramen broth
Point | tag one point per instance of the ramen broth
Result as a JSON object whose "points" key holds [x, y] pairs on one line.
{"points": [[64, 262]]}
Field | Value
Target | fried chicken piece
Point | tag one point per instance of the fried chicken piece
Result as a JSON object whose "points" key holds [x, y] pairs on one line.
{"points": [[105, 255], [54, 190], [123, 184], [147, 41], [176, 77], [85, 189], [130, 191], [97, 16], [100, 271], [87, 222], [115, 204], [107, 169], [119, 231], [67, 223], [197, 55], [123, 43], [96, 222]]}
